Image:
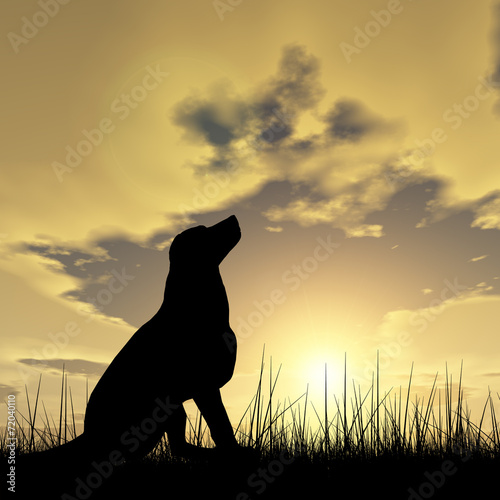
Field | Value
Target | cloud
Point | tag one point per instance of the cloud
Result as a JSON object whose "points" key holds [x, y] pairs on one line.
{"points": [[339, 212], [341, 167], [270, 114], [350, 120], [345, 209], [344, 158], [71, 261], [217, 119], [426, 258], [476, 259], [114, 282], [238, 127], [72, 366], [294, 89], [487, 212], [296, 83]]}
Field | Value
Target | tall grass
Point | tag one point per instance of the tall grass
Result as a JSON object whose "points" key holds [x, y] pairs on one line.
{"points": [[37, 431], [359, 426], [370, 424]]}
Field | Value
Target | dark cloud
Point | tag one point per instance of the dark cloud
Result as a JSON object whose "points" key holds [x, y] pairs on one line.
{"points": [[275, 132], [296, 84], [71, 366], [206, 121], [265, 119], [350, 120], [116, 285], [69, 261], [304, 144], [217, 119], [407, 259], [295, 88]]}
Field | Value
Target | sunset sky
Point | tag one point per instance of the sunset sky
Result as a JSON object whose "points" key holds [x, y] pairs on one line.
{"points": [[356, 142]]}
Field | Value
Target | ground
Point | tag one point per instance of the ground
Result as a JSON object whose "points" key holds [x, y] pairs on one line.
{"points": [[286, 477]]}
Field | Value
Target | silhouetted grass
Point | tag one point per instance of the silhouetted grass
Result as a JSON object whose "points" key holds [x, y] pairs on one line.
{"points": [[358, 440]]}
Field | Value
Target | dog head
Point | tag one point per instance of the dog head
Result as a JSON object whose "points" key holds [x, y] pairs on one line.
{"points": [[205, 245]]}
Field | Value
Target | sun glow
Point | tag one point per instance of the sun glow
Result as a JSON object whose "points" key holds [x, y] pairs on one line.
{"points": [[323, 374]]}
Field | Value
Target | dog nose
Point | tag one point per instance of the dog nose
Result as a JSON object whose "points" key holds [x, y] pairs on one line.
{"points": [[233, 220], [231, 223]]}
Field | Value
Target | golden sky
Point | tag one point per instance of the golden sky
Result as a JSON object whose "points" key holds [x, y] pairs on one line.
{"points": [[356, 142]]}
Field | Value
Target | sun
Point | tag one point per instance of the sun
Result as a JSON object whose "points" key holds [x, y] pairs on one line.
{"points": [[322, 373]]}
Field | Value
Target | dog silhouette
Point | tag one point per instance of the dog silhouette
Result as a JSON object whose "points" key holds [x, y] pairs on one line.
{"points": [[187, 350]]}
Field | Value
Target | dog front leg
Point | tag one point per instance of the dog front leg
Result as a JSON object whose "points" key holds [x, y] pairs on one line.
{"points": [[212, 408]]}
